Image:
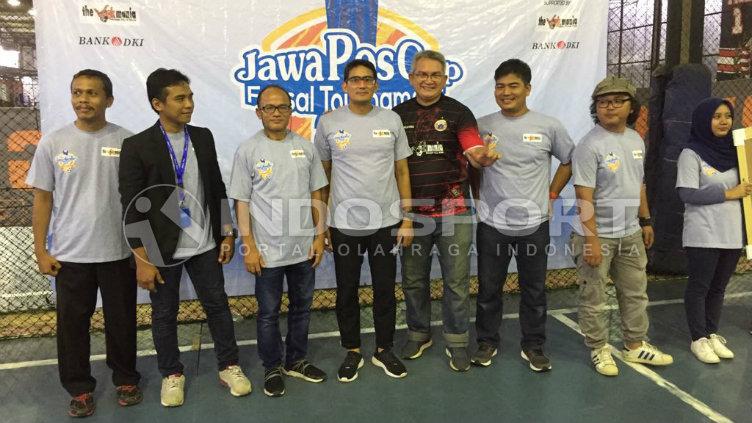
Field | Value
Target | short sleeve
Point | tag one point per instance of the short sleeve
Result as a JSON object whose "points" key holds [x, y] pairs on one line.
{"points": [[42, 171], [562, 145], [241, 177], [688, 170], [320, 142], [467, 130], [584, 166], [402, 148], [317, 175]]}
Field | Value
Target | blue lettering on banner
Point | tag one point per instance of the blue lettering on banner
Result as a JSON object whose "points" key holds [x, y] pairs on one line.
{"points": [[312, 74]]}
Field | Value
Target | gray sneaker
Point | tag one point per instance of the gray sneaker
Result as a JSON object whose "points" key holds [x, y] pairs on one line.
{"points": [[414, 349], [483, 356], [458, 359]]}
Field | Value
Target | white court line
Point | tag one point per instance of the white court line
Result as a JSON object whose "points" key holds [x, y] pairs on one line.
{"points": [[674, 390], [332, 334]]}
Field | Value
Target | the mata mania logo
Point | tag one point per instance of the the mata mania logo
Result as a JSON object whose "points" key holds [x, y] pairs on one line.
{"points": [[307, 55]]}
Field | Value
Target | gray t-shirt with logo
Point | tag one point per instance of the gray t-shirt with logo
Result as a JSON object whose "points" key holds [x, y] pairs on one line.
{"points": [[613, 164], [362, 149], [710, 225], [277, 178], [197, 238], [81, 170], [514, 190]]}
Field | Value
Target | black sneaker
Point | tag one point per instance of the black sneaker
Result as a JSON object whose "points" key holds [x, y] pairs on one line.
{"points": [[274, 383], [538, 361], [414, 349], [483, 356], [129, 395], [390, 363], [458, 359], [82, 405], [306, 371], [348, 371]]}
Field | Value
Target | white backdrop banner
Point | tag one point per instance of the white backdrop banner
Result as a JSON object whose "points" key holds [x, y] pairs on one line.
{"points": [[230, 49]]}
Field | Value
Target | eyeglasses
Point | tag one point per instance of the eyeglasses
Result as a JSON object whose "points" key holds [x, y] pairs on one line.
{"points": [[422, 76], [616, 102], [368, 80], [270, 108]]}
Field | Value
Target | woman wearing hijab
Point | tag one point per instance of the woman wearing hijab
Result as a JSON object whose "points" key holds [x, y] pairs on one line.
{"points": [[708, 184]]}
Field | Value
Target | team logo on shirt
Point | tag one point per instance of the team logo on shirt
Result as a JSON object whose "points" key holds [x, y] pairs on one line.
{"points": [[612, 162], [66, 161], [342, 139], [637, 154], [264, 168], [708, 170], [440, 125], [297, 154], [382, 133]]}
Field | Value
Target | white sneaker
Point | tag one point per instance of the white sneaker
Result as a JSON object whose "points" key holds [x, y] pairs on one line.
{"points": [[647, 354], [172, 390], [703, 350], [234, 378], [603, 361], [719, 346]]}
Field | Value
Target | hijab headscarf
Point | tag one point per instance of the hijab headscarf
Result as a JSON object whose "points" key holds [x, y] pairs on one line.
{"points": [[717, 152]]}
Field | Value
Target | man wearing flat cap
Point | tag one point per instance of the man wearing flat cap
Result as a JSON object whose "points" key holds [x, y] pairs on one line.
{"points": [[615, 229]]}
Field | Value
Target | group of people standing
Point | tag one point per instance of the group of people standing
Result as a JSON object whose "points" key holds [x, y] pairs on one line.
{"points": [[138, 209]]}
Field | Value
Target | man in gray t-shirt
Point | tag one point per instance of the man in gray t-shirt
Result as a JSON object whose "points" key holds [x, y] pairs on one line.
{"points": [[277, 182], [513, 212], [615, 228], [364, 152], [74, 174]]}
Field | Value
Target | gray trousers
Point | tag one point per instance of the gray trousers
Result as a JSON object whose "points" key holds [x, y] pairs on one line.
{"points": [[624, 260]]}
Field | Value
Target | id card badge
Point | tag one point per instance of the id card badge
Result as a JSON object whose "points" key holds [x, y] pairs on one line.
{"points": [[185, 217]]}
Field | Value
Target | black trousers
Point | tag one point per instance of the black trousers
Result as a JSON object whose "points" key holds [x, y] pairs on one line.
{"points": [[76, 286], [349, 250], [709, 272]]}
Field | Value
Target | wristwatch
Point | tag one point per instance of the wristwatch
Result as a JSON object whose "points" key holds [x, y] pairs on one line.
{"points": [[233, 233], [646, 221]]}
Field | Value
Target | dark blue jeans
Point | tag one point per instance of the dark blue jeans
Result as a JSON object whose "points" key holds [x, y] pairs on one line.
{"points": [[495, 251], [709, 272], [300, 281], [209, 281]]}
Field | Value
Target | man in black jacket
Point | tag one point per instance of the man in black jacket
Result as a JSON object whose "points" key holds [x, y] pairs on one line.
{"points": [[177, 215]]}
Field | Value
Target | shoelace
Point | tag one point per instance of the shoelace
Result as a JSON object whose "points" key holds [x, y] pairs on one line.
{"points": [[720, 338], [127, 388], [173, 382], [604, 356], [301, 366], [235, 371], [651, 348], [273, 373], [81, 398]]}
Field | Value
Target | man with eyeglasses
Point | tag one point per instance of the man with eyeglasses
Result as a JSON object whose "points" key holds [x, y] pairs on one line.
{"points": [[276, 178], [514, 212], [444, 137], [364, 152], [615, 229]]}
